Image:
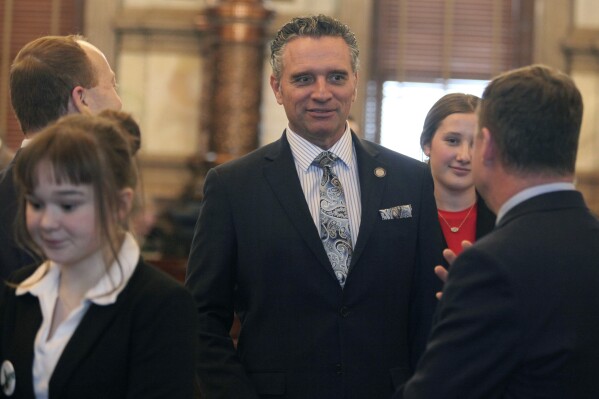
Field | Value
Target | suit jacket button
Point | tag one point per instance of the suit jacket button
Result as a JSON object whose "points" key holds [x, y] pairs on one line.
{"points": [[344, 311], [339, 368]]}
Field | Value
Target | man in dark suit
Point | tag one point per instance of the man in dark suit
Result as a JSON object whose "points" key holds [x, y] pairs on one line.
{"points": [[6, 155], [518, 316], [348, 321], [50, 77]]}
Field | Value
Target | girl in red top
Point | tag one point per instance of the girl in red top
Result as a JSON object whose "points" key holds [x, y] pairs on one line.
{"points": [[447, 138]]}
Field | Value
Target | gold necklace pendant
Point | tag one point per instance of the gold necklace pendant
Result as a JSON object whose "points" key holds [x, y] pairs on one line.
{"points": [[455, 229]]}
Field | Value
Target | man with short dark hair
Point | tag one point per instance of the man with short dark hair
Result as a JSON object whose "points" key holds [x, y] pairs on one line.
{"points": [[518, 315], [50, 77], [324, 244]]}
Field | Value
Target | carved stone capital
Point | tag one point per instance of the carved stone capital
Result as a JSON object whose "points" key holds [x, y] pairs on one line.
{"points": [[240, 21]]}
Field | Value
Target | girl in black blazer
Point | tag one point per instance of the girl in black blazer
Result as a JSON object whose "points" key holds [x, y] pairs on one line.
{"points": [[447, 138], [93, 320]]}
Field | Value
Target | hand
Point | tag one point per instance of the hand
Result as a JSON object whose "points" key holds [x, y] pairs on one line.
{"points": [[450, 257]]}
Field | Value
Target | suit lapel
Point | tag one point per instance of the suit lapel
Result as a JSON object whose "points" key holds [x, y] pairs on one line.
{"points": [[95, 321], [281, 175], [371, 192]]}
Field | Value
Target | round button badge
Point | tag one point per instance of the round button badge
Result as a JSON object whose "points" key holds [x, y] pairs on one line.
{"points": [[7, 378]]}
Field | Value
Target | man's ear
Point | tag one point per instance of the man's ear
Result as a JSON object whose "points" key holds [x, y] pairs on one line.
{"points": [[489, 149], [353, 98], [275, 84], [77, 101], [126, 197]]}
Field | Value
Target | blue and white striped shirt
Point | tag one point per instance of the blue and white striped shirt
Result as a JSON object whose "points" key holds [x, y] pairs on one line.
{"points": [[310, 175]]}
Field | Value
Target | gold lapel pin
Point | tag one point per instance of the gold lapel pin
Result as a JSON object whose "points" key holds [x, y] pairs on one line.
{"points": [[380, 172]]}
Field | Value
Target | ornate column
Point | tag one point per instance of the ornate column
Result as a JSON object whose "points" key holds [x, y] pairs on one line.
{"points": [[240, 27]]}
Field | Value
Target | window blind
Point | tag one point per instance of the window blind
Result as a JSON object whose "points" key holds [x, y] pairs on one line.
{"points": [[429, 40]]}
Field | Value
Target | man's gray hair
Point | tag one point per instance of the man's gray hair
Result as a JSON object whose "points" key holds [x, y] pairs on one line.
{"points": [[312, 26]]}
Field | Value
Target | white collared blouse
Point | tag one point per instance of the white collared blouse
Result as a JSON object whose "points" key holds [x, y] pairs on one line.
{"points": [[47, 352]]}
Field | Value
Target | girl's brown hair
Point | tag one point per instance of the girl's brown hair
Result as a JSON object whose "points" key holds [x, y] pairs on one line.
{"points": [[80, 149], [453, 103]]}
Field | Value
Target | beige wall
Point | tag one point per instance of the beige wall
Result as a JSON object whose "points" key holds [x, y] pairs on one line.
{"points": [[583, 64], [156, 53], [585, 71], [160, 59]]}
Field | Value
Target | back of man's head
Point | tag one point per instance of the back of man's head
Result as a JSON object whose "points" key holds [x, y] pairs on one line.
{"points": [[43, 76], [534, 115]]}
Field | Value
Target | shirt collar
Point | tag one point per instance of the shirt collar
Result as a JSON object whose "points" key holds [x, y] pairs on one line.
{"points": [[529, 193], [104, 292], [304, 152], [44, 279]]}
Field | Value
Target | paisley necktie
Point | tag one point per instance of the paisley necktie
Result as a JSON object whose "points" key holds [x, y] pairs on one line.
{"points": [[334, 223]]}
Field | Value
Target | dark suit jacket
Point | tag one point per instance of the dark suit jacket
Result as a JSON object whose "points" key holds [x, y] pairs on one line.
{"points": [[485, 219], [518, 317], [6, 156], [12, 257], [257, 251], [142, 346]]}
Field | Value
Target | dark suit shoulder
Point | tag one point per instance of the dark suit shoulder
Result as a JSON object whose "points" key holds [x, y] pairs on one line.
{"points": [[21, 274], [12, 256], [148, 278], [270, 152], [485, 219], [145, 279], [247, 163], [387, 155], [7, 187], [549, 228], [150, 289]]}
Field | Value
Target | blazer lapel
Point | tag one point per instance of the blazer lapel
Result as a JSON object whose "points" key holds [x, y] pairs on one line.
{"points": [[371, 191], [282, 176], [92, 326]]}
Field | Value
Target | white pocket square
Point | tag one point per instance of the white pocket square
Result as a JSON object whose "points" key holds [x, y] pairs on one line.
{"points": [[397, 212]]}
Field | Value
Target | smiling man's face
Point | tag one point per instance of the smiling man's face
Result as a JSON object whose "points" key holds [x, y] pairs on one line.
{"points": [[316, 88]]}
